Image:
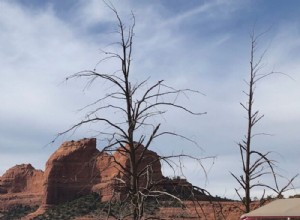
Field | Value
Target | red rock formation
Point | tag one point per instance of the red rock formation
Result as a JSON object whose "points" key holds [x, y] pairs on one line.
{"points": [[70, 171], [77, 168], [112, 171], [21, 184], [105, 185], [149, 163], [21, 178]]}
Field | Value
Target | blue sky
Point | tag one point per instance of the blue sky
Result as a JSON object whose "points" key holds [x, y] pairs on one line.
{"points": [[202, 45]]}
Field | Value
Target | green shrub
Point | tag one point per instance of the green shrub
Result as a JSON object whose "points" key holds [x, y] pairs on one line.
{"points": [[18, 211]]}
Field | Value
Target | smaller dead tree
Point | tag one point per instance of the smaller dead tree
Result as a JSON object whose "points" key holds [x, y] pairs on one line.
{"points": [[256, 164]]}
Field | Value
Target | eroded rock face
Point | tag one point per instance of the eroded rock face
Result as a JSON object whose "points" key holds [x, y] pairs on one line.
{"points": [[112, 174], [22, 178], [77, 168], [70, 171]]}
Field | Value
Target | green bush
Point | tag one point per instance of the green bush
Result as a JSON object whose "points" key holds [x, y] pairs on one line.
{"points": [[17, 212], [78, 207]]}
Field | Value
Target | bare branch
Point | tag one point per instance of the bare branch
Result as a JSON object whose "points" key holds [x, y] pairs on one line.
{"points": [[255, 164]]}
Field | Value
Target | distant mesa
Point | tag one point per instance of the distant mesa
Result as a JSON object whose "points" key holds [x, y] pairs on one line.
{"points": [[21, 184], [21, 178]]}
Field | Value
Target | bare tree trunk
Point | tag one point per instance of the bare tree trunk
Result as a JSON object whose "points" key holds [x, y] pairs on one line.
{"points": [[136, 104], [249, 132], [255, 164]]}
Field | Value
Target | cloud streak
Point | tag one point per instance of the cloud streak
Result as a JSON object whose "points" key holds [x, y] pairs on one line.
{"points": [[204, 46]]}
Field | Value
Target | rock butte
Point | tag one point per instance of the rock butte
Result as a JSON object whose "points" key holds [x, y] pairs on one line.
{"points": [[21, 184], [70, 171], [78, 168], [21, 178]]}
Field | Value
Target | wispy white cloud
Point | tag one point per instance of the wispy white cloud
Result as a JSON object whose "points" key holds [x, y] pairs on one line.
{"points": [[201, 13], [38, 49], [37, 52]]}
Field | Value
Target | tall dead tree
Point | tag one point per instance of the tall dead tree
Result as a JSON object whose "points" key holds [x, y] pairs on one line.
{"points": [[256, 164], [135, 105]]}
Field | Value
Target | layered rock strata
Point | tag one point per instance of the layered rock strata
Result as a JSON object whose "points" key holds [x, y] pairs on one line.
{"points": [[21, 178], [21, 185]]}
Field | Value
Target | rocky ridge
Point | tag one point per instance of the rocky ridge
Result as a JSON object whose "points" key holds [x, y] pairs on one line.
{"points": [[78, 168], [21, 184]]}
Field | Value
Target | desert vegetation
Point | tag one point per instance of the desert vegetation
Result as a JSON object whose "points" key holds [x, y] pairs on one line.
{"points": [[17, 212]]}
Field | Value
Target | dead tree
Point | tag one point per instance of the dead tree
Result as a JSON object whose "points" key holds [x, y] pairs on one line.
{"points": [[256, 164], [135, 105]]}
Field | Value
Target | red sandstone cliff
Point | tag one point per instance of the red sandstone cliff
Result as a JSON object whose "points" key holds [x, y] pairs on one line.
{"points": [[70, 171], [112, 174], [21, 184], [77, 168], [21, 178]]}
